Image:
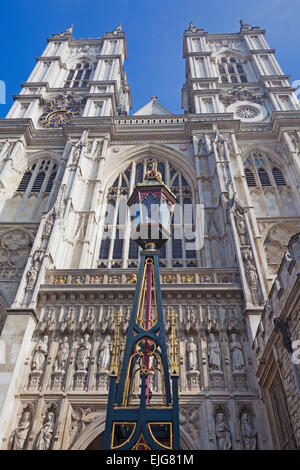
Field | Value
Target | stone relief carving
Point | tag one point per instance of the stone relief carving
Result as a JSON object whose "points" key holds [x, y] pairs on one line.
{"points": [[192, 354], [22, 430], [189, 419], [83, 354], [88, 323], [222, 432], [46, 433], [62, 355], [214, 353], [40, 353], [15, 246], [105, 353], [81, 417], [240, 93], [212, 323], [68, 325], [48, 324], [237, 357], [191, 323], [248, 431]]}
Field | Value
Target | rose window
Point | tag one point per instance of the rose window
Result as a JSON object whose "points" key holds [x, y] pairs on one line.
{"points": [[246, 112]]}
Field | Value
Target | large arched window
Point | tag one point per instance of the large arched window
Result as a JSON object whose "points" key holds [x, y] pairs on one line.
{"points": [[116, 247], [79, 75]]}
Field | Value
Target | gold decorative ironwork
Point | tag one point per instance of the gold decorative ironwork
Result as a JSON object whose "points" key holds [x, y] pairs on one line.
{"points": [[115, 424], [140, 317], [141, 444], [153, 173], [174, 365], [115, 360], [142, 369], [166, 424], [96, 280]]}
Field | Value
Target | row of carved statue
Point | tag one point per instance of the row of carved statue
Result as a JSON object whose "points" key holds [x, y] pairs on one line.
{"points": [[83, 354], [189, 421]]}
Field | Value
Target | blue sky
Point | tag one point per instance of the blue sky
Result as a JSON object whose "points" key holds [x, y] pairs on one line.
{"points": [[154, 31]]}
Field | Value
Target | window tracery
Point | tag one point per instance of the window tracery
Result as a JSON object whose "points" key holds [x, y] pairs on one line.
{"points": [[117, 249]]}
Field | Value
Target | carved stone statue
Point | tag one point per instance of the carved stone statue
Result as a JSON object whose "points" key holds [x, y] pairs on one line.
{"points": [[46, 433], [62, 355], [222, 433], [21, 432], [214, 353], [248, 432], [69, 323], [84, 354], [237, 357], [104, 354], [88, 324], [191, 349], [234, 321], [40, 353], [212, 321], [241, 227]]}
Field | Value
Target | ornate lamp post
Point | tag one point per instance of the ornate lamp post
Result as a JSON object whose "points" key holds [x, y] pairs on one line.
{"points": [[135, 418]]}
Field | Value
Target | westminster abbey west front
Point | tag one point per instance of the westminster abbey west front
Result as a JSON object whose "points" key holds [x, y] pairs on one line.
{"points": [[70, 155]]}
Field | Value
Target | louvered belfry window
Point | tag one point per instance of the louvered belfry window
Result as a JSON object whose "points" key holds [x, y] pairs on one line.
{"points": [[39, 177]]}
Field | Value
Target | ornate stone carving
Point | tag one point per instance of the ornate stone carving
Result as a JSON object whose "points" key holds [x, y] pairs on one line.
{"points": [[240, 93], [214, 353], [189, 419], [21, 432], [48, 324], [191, 323], [62, 355], [88, 323], [40, 353], [248, 431], [104, 354], [81, 417], [83, 354], [34, 269], [212, 321], [241, 227], [237, 358], [46, 433], [222, 432], [68, 325]]}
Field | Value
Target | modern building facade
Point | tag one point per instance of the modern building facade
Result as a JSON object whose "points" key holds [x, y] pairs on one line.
{"points": [[70, 155]]}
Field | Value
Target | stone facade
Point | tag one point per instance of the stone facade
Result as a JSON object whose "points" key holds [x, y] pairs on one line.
{"points": [[276, 345], [70, 154]]}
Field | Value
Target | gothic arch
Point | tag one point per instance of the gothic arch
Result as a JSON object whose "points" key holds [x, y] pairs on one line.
{"points": [[113, 244], [155, 151], [97, 427]]}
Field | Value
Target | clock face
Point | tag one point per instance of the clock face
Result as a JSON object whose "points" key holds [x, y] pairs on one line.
{"points": [[57, 117]]}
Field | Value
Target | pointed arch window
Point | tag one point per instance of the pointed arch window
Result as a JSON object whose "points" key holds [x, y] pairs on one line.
{"points": [[118, 250], [79, 76]]}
